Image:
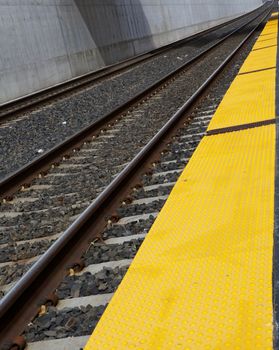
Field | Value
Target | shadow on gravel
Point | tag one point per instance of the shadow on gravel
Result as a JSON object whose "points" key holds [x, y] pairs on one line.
{"points": [[115, 26]]}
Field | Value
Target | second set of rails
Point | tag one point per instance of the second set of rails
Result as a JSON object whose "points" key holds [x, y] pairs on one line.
{"points": [[11, 109]]}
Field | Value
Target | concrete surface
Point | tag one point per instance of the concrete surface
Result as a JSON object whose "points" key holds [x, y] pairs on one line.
{"points": [[45, 42]]}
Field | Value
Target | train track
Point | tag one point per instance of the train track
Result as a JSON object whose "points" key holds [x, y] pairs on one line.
{"points": [[129, 223], [27, 103], [41, 164], [58, 120]]}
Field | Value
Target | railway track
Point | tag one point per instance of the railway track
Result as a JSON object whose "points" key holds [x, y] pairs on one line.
{"points": [[126, 228], [26, 103], [83, 295], [163, 85], [48, 126]]}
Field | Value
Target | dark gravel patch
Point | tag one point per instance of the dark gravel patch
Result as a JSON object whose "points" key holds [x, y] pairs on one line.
{"points": [[105, 281], [171, 166], [138, 209], [22, 233], [99, 253], [10, 273], [149, 180], [159, 191], [65, 323], [23, 251], [130, 229]]}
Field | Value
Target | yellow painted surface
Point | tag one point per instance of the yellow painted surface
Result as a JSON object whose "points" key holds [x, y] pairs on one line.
{"points": [[249, 99], [268, 34], [266, 43], [260, 59], [251, 96], [202, 279], [266, 38], [203, 276], [270, 28]]}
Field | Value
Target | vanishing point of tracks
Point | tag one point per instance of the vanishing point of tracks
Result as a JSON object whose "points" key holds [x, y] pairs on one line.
{"points": [[99, 245], [12, 109]]}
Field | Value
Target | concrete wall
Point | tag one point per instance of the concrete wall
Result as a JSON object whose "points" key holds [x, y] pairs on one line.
{"points": [[45, 42]]}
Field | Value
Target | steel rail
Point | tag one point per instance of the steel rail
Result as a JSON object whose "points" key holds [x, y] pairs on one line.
{"points": [[44, 276], [26, 102], [28, 172]]}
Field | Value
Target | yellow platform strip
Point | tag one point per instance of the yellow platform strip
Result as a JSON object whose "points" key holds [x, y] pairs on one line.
{"points": [[264, 47], [202, 278], [265, 39], [251, 96], [267, 35], [265, 44], [271, 28], [261, 59]]}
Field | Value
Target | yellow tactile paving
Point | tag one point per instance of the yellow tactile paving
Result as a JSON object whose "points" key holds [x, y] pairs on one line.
{"points": [[266, 37], [270, 34], [260, 59], [265, 43], [271, 27], [203, 277], [249, 99], [251, 96]]}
